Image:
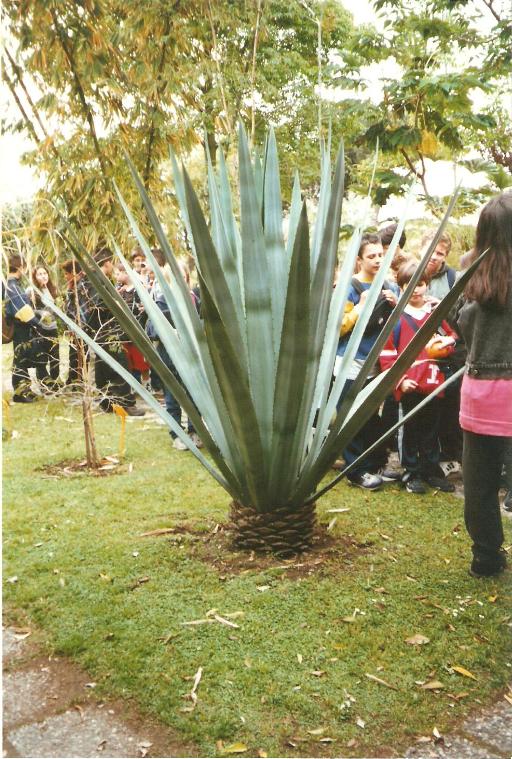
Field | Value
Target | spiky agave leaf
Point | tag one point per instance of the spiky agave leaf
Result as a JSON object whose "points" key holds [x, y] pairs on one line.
{"points": [[260, 366]]}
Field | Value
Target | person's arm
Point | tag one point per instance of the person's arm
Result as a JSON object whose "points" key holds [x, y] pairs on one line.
{"points": [[352, 311]]}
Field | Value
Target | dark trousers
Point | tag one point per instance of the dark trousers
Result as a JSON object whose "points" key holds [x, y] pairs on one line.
{"points": [[363, 439], [114, 388], [46, 359], [450, 432], [23, 360], [172, 406], [418, 439], [482, 462]]}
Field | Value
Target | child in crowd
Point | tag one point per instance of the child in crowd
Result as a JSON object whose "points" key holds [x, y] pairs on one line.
{"points": [[137, 364], [366, 475], [419, 437]]}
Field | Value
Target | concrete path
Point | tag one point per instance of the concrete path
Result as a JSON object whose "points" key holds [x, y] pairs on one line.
{"points": [[50, 709]]}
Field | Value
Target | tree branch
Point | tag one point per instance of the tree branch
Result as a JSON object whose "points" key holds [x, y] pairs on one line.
{"points": [[28, 123], [259, 12], [19, 77], [489, 5], [80, 91], [152, 130]]}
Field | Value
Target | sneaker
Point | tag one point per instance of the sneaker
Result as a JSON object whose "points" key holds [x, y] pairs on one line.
{"points": [[196, 440], [507, 503], [488, 566], [134, 411], [366, 481], [179, 445], [415, 485], [390, 475], [440, 483], [450, 467]]}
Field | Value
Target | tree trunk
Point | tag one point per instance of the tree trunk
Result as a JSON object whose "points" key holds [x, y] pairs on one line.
{"points": [[283, 531]]}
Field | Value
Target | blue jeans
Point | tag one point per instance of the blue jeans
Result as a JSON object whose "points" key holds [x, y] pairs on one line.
{"points": [[171, 404]]}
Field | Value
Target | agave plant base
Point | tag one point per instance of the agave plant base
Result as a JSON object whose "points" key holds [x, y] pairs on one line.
{"points": [[283, 531]]}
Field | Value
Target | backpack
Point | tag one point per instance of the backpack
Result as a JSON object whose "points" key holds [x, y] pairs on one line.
{"points": [[381, 311]]}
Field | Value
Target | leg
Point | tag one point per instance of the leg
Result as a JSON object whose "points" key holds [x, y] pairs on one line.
{"points": [[409, 436], [115, 389], [483, 457], [21, 363]]}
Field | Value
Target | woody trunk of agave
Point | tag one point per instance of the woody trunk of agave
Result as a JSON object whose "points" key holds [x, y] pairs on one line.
{"points": [[257, 366]]}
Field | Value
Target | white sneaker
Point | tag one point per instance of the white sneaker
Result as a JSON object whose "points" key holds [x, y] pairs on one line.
{"points": [[196, 440], [179, 445], [450, 467]]}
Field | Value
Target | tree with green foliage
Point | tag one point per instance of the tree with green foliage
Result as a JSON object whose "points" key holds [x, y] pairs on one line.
{"points": [[446, 50], [147, 76]]}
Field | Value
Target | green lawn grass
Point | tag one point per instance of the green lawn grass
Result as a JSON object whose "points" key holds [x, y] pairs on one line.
{"points": [[299, 659]]}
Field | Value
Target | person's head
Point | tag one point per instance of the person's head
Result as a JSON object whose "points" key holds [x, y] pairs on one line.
{"points": [[41, 278], [121, 275], [71, 269], [159, 256], [439, 254], [17, 265], [491, 281], [386, 235], [404, 275], [138, 260], [369, 256], [103, 257]]}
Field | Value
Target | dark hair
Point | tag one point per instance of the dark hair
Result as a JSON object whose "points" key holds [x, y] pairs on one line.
{"points": [[71, 266], [445, 239], [407, 271], [369, 239], [51, 287], [102, 254], [387, 234], [159, 256], [491, 281], [16, 262], [137, 252]]}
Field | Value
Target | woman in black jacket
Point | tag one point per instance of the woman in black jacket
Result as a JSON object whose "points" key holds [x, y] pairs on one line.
{"points": [[485, 322]]}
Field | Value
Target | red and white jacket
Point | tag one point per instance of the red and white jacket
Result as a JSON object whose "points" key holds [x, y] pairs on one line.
{"points": [[401, 336]]}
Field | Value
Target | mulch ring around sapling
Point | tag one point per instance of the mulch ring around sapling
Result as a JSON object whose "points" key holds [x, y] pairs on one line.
{"points": [[214, 546], [75, 467]]}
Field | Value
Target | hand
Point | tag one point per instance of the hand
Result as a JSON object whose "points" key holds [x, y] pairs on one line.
{"points": [[363, 296], [390, 297], [408, 385], [432, 300]]}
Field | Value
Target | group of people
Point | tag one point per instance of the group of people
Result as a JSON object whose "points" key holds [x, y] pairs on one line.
{"points": [[478, 335]]}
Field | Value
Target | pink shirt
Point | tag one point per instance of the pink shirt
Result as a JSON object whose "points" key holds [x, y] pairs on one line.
{"points": [[486, 406]]}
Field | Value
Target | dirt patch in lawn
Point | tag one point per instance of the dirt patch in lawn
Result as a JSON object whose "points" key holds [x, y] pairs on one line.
{"points": [[327, 555], [73, 467]]}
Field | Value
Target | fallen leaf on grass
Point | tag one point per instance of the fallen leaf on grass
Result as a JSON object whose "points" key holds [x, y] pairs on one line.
{"points": [[299, 658], [336, 511], [493, 599], [262, 754], [167, 638], [156, 533], [139, 581], [317, 731], [80, 711], [433, 685], [143, 747], [20, 633], [90, 685], [235, 748], [327, 740], [262, 588], [508, 698], [360, 723], [226, 622], [380, 681], [198, 622], [352, 743], [13, 579], [423, 739], [464, 672], [332, 523], [317, 673], [417, 640]]}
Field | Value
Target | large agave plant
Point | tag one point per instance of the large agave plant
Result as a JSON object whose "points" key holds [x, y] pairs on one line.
{"points": [[258, 365]]}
